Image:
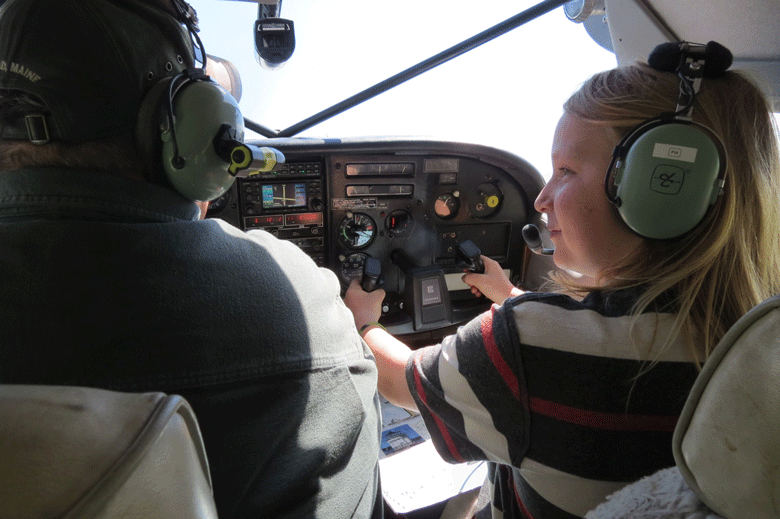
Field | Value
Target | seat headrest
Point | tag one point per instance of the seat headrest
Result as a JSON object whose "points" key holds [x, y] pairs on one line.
{"points": [[74, 452], [727, 441]]}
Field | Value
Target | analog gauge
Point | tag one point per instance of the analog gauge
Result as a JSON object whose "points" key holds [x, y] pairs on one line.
{"points": [[217, 205], [392, 168], [485, 200], [357, 230], [447, 205], [352, 267], [399, 222]]}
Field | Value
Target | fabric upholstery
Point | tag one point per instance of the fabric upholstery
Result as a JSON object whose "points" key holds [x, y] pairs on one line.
{"points": [[727, 441], [85, 453]]}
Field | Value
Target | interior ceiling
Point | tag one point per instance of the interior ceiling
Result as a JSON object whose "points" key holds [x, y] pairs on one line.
{"points": [[749, 28]]}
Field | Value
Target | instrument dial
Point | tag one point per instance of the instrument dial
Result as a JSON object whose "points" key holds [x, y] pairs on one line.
{"points": [[399, 223], [357, 230], [352, 267], [217, 205], [447, 205]]}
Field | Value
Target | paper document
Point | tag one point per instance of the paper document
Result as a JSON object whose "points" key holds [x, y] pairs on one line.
{"points": [[413, 474]]}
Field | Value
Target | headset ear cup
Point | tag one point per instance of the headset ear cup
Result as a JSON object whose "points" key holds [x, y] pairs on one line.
{"points": [[201, 108], [147, 131], [671, 174]]}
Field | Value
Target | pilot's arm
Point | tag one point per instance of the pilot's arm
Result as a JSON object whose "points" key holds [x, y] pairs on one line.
{"points": [[390, 353], [493, 284]]}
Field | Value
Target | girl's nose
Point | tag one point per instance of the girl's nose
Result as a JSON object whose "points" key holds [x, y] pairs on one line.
{"points": [[543, 202]]}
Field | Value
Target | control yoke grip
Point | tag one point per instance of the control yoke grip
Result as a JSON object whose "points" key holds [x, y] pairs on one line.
{"points": [[468, 256], [372, 275]]}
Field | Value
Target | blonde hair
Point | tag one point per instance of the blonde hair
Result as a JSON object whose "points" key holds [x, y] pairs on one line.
{"points": [[731, 261]]}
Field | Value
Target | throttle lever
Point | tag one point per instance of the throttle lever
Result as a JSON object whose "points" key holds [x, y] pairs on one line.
{"points": [[372, 275], [468, 256]]}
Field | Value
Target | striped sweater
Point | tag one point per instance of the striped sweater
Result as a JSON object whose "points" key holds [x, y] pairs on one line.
{"points": [[545, 387]]}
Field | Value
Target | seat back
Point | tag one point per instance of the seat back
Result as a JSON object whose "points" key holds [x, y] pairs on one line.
{"points": [[727, 441], [87, 453]]}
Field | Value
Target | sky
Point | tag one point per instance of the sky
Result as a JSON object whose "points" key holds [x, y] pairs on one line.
{"points": [[506, 93]]}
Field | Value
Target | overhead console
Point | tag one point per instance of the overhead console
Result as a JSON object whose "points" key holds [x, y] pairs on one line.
{"points": [[408, 204]]}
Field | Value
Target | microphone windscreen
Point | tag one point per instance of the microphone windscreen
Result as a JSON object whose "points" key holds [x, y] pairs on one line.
{"points": [[717, 59], [666, 57], [531, 236]]}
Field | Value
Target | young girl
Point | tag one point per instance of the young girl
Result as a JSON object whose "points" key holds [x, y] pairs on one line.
{"points": [[576, 393]]}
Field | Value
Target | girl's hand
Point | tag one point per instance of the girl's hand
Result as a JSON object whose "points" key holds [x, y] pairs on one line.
{"points": [[493, 284]]}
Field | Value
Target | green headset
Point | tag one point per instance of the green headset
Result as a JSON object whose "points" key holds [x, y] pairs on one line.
{"points": [[177, 124], [668, 171], [190, 132]]}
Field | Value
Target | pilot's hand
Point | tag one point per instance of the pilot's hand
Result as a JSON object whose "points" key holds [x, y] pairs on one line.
{"points": [[366, 306], [493, 284]]}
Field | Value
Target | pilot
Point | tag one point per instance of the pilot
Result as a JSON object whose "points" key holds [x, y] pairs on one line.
{"points": [[109, 279], [573, 393]]}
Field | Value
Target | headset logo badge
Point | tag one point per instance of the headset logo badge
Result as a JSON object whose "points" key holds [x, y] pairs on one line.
{"points": [[667, 179]]}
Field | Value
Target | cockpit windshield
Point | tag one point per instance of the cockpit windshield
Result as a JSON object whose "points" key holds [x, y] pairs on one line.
{"points": [[506, 93]]}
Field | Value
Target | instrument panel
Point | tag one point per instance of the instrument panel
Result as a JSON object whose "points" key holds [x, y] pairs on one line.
{"points": [[407, 203]]}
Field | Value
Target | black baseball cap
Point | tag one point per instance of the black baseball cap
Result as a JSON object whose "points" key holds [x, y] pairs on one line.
{"points": [[89, 62]]}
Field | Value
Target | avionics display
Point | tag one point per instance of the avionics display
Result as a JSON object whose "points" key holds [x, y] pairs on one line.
{"points": [[303, 219], [289, 194]]}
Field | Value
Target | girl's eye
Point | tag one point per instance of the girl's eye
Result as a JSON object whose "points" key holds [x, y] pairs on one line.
{"points": [[562, 171]]}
